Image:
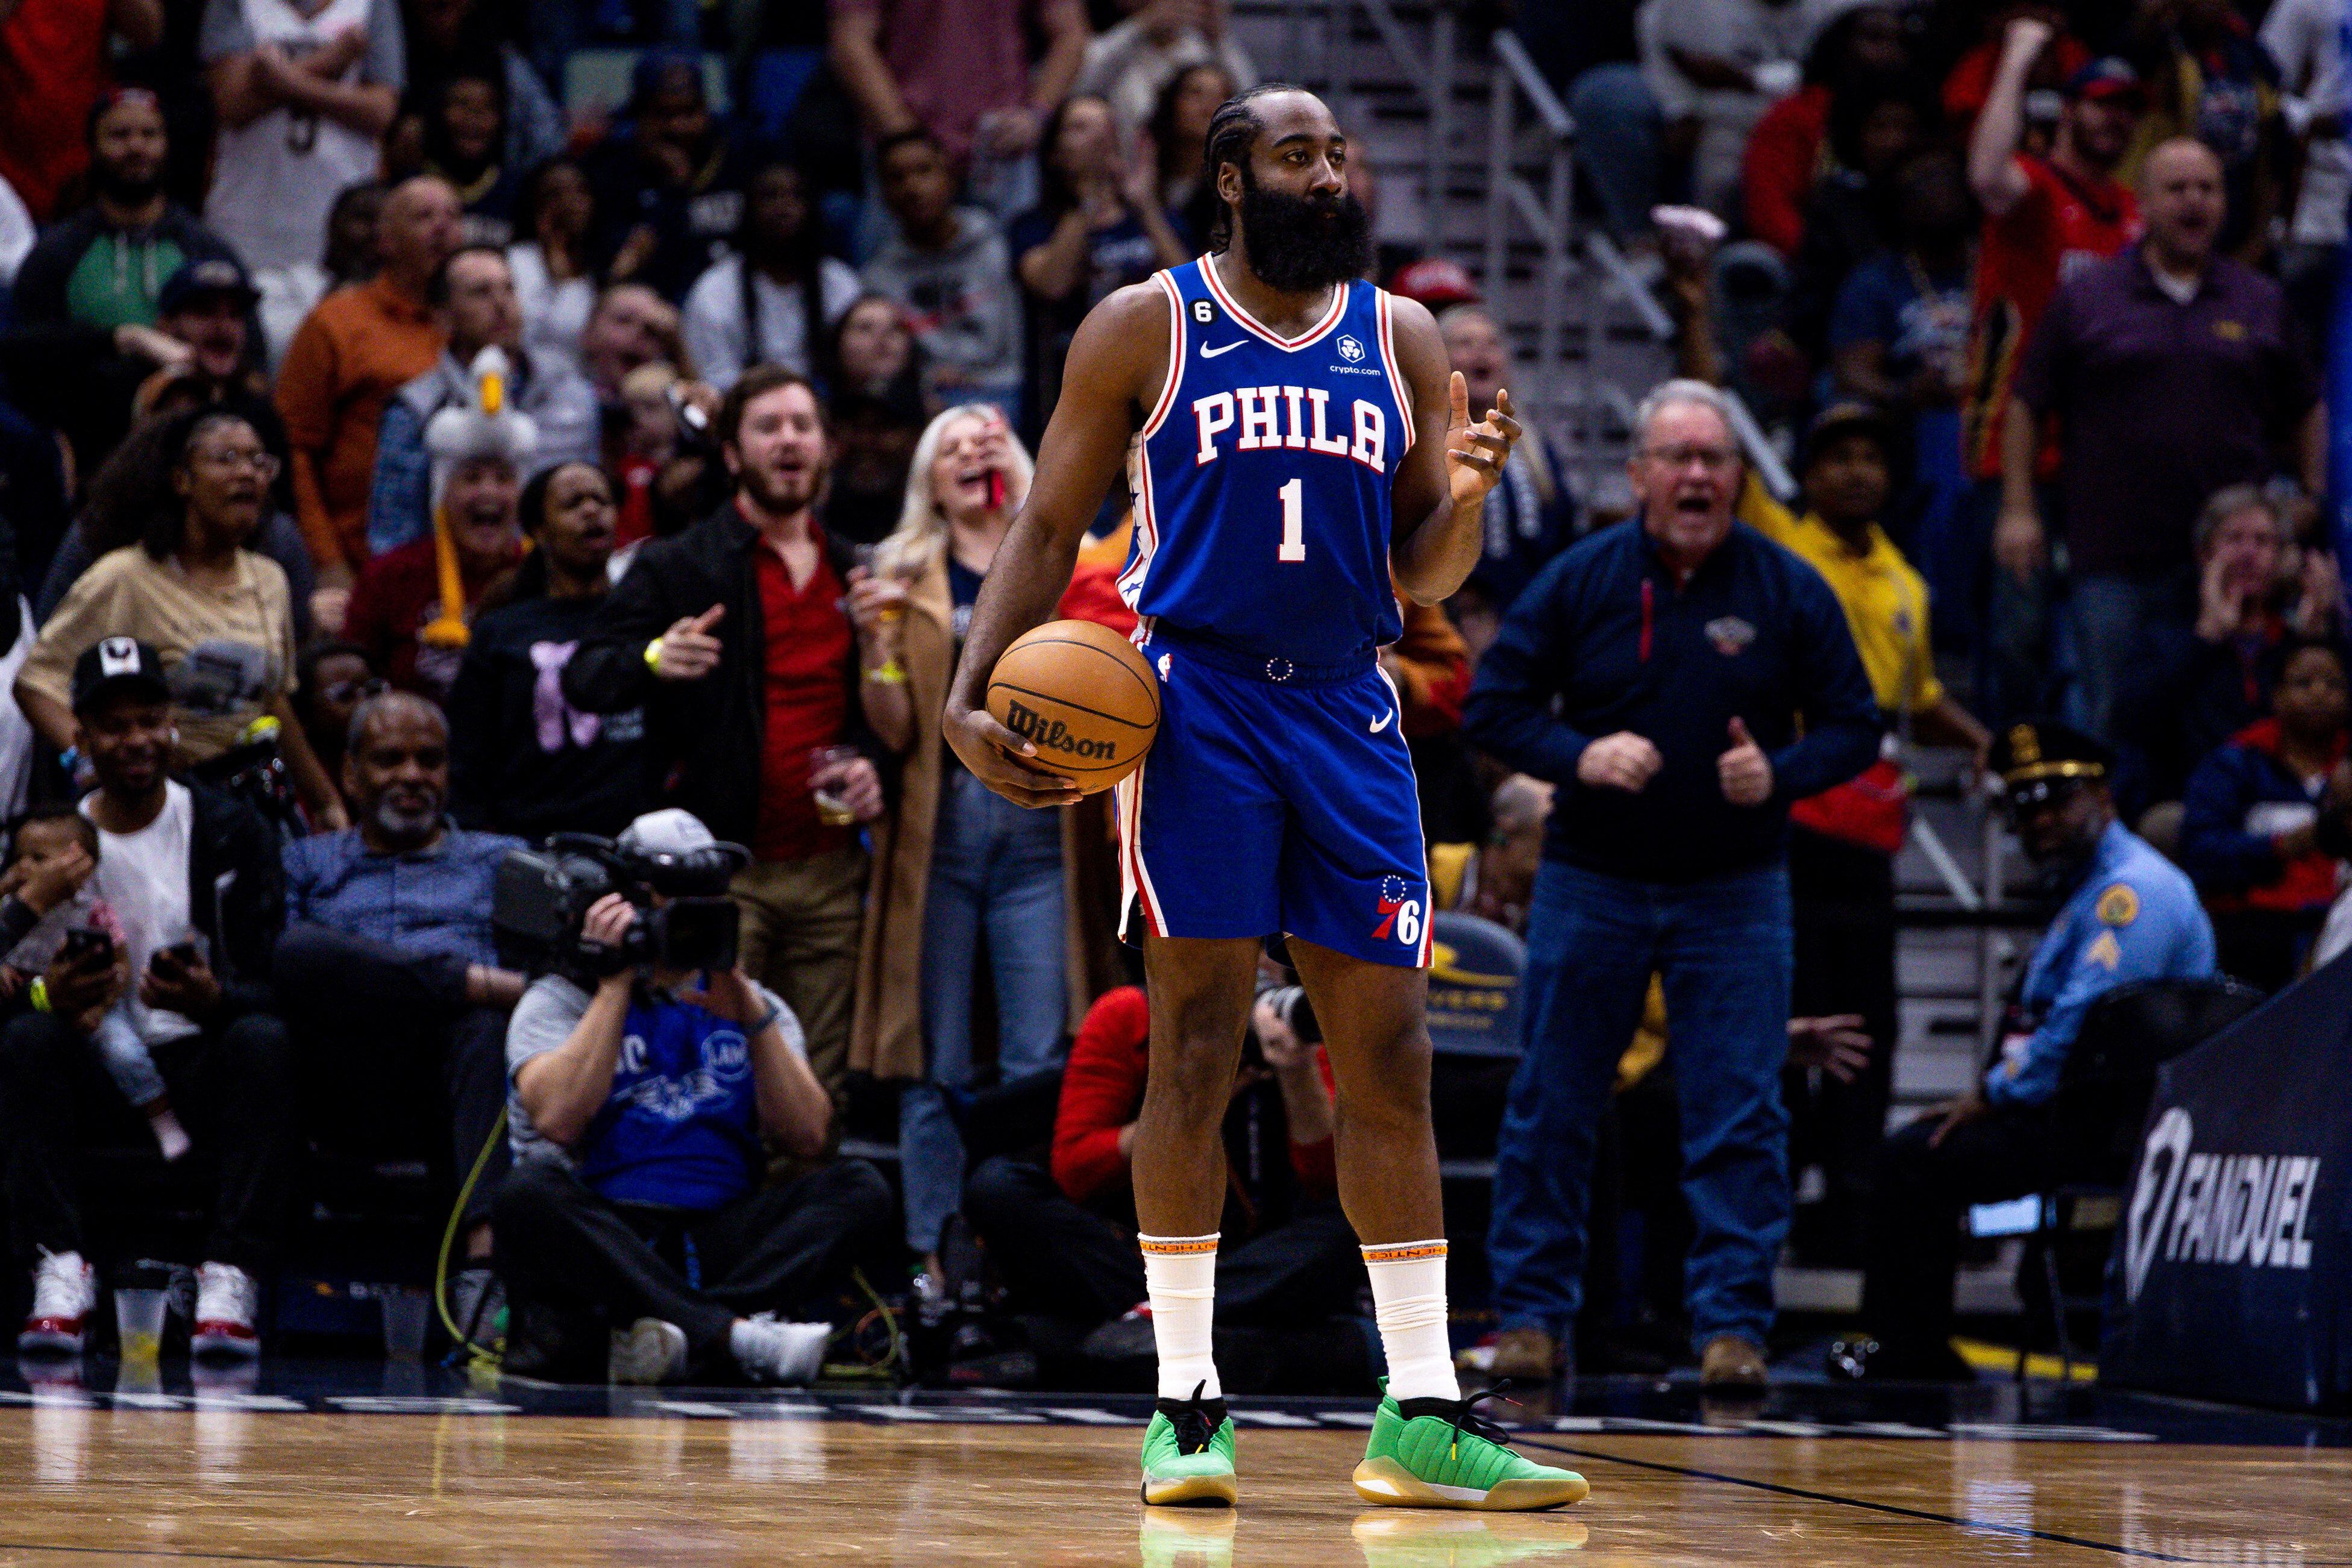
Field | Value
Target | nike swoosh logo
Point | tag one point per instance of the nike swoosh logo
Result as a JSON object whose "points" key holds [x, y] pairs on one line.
{"points": [[1381, 722], [1208, 352]]}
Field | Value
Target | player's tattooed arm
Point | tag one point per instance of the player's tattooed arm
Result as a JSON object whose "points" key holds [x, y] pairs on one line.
{"points": [[1117, 365], [1439, 490]]}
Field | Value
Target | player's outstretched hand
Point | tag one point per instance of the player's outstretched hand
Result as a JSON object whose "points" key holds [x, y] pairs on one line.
{"points": [[1476, 453], [1003, 760]]}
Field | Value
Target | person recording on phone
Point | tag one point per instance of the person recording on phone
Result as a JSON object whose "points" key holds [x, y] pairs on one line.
{"points": [[734, 639], [191, 877], [647, 1077]]}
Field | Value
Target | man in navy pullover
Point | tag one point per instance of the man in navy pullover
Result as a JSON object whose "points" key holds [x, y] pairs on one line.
{"points": [[1682, 680]]}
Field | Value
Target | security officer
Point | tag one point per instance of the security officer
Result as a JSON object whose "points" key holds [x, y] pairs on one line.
{"points": [[2128, 915]]}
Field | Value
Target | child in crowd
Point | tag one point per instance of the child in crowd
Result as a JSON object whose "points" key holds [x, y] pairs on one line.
{"points": [[44, 841]]}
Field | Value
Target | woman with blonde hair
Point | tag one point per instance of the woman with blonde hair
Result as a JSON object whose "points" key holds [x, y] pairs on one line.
{"points": [[957, 864]]}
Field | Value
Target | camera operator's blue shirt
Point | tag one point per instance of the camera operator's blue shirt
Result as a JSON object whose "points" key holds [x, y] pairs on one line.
{"points": [[680, 1127]]}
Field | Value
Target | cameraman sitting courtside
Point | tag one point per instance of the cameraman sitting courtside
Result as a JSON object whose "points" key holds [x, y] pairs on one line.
{"points": [[2127, 914], [645, 1073]]}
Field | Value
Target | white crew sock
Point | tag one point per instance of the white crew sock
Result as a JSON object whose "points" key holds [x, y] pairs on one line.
{"points": [[170, 1136], [1181, 1273], [1409, 1304]]}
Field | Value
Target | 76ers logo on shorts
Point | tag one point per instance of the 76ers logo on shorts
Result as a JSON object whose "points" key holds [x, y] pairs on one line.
{"points": [[1399, 915]]}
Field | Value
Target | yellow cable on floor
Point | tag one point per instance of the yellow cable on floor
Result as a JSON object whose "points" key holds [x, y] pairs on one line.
{"points": [[474, 1352]]}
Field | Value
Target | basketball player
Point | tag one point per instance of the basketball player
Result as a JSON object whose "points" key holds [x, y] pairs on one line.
{"points": [[1301, 445]]}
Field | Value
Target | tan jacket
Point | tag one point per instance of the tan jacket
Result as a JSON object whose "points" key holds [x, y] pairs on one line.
{"points": [[885, 1035]]}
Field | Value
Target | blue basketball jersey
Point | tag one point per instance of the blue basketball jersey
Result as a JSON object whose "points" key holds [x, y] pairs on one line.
{"points": [[1261, 480]]}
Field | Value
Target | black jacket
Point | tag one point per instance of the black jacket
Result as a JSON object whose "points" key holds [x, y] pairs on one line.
{"points": [[1605, 640], [236, 897], [515, 767], [705, 735]]}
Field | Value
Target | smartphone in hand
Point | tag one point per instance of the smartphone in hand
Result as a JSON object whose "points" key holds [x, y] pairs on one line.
{"points": [[82, 941]]}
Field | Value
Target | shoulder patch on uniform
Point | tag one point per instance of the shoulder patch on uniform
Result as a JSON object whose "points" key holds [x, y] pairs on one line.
{"points": [[2118, 906], [1204, 311], [2106, 952]]}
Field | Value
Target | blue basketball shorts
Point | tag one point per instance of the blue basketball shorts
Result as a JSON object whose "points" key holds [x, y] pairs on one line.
{"points": [[1271, 802]]}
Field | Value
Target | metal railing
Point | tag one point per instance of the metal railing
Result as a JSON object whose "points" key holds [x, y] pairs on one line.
{"points": [[1549, 215]]}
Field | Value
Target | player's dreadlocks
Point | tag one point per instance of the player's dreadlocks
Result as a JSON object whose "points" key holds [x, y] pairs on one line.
{"points": [[1233, 133]]}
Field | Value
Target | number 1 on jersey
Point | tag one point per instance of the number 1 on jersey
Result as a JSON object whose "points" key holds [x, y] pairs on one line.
{"points": [[1293, 521]]}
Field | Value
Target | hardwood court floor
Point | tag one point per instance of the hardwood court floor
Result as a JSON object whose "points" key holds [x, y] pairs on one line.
{"points": [[84, 1483]]}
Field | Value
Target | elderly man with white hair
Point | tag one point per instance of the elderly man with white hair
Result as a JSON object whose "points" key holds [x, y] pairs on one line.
{"points": [[1656, 673]]}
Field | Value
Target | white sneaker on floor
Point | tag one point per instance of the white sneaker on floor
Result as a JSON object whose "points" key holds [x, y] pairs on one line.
{"points": [[227, 1299], [647, 1351], [769, 1351], [65, 1291]]}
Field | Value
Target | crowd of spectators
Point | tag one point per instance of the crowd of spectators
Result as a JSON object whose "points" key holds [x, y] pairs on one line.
{"points": [[405, 456]]}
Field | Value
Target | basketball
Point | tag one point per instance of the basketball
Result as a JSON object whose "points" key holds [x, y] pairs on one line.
{"points": [[1083, 696]]}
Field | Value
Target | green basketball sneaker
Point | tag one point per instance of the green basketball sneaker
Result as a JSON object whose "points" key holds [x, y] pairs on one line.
{"points": [[1188, 1454], [1434, 1453]]}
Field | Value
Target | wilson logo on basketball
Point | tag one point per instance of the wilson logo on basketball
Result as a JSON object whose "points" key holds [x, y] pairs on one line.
{"points": [[1053, 735]]}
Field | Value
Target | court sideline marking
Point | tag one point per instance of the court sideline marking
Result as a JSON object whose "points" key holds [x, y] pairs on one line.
{"points": [[1959, 1521]]}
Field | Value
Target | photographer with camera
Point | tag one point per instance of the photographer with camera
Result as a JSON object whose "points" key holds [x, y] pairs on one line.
{"points": [[191, 877], [734, 639], [649, 1075], [1063, 1240]]}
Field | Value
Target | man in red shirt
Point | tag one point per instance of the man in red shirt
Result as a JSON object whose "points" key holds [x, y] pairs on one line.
{"points": [[733, 638], [1064, 1239], [2044, 218]]}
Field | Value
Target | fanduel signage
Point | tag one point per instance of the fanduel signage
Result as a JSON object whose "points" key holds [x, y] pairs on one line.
{"points": [[2228, 1279], [2250, 1210]]}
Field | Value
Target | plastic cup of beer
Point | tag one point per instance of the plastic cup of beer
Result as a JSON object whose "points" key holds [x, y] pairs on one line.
{"points": [[407, 1315], [831, 808], [139, 1323]]}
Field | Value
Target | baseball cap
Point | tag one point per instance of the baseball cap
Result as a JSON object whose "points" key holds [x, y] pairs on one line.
{"points": [[1435, 282], [207, 274], [1849, 416], [115, 666], [672, 830], [678, 856], [2107, 79]]}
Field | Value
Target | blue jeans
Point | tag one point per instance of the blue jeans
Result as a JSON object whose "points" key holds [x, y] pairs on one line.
{"points": [[1722, 947], [2131, 637], [995, 866], [1619, 148], [2028, 655]]}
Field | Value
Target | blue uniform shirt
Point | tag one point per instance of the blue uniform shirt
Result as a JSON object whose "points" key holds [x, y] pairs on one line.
{"points": [[2134, 916], [1262, 479]]}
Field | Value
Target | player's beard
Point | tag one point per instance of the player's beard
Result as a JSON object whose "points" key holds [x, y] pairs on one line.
{"points": [[1300, 244]]}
